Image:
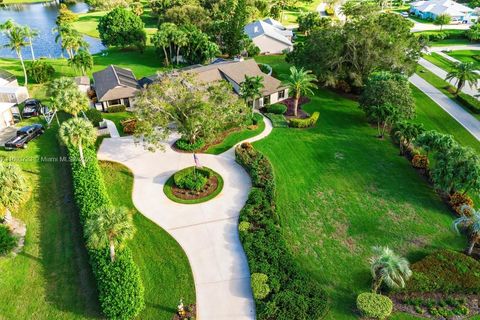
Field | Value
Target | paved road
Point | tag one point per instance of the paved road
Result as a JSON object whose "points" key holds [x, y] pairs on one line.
{"points": [[430, 26], [472, 46], [208, 232], [451, 107]]}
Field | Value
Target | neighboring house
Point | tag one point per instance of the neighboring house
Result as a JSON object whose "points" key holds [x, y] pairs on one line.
{"points": [[6, 114], [83, 83], [270, 36], [234, 72], [115, 86], [431, 9], [10, 91]]}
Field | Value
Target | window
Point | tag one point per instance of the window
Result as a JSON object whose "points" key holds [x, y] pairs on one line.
{"points": [[266, 100], [114, 102], [281, 94]]}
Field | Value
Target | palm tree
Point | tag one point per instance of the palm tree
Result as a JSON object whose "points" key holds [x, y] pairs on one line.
{"points": [[109, 226], [471, 224], [7, 26], [300, 82], [72, 40], [78, 133], [251, 88], [463, 72], [406, 132], [66, 96], [16, 42], [82, 61], [12, 188], [30, 34], [389, 268]]}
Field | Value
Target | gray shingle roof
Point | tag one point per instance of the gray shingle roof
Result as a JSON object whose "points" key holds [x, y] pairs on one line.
{"points": [[260, 28], [115, 83]]}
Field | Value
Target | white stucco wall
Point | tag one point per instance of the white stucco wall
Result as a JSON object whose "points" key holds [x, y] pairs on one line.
{"points": [[269, 45]]}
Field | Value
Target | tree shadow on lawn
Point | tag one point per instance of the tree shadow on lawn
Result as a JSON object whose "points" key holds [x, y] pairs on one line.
{"points": [[70, 285]]}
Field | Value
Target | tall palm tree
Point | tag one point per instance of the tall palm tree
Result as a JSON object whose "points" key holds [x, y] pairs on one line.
{"points": [[66, 96], [389, 268], [300, 82], [82, 61], [12, 188], [16, 42], [78, 133], [251, 89], [471, 224], [109, 226], [71, 39], [463, 72], [7, 26], [30, 34]]}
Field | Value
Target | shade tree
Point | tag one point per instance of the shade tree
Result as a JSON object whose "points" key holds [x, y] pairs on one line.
{"points": [[442, 19]]}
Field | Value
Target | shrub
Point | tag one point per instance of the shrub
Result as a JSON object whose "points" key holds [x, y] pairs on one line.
{"points": [[277, 108], [305, 123], [116, 108], [40, 71], [183, 144], [191, 178], [420, 161], [120, 289], [458, 200], [259, 285], [293, 294], [445, 271], [129, 126], [468, 101], [7, 241], [94, 116], [374, 305], [244, 226]]}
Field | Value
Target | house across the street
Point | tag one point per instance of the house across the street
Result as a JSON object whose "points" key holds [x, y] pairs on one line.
{"points": [[270, 36], [115, 86], [431, 9]]}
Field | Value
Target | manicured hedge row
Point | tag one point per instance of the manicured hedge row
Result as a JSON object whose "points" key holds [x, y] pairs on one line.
{"points": [[305, 123], [120, 288], [293, 294], [468, 101], [116, 108]]}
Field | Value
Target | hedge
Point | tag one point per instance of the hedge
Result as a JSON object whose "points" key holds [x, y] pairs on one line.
{"points": [[305, 123], [116, 108], [7, 240], [184, 145], [277, 108], [293, 294], [374, 305], [94, 116], [468, 101], [120, 289], [445, 271]]}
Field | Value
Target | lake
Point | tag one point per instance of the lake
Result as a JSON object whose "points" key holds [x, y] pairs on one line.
{"points": [[41, 16]]}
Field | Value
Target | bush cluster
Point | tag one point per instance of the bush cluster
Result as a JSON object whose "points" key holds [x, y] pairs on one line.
{"points": [[277, 108], [468, 101], [374, 305], [7, 241], [183, 144], [129, 125], [292, 294], [116, 108], [192, 178], [120, 288], [305, 123], [445, 271], [445, 34], [94, 116], [447, 308], [458, 200], [420, 161], [40, 71]]}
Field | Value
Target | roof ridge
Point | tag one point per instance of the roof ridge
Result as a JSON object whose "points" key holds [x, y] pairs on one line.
{"points": [[115, 73]]}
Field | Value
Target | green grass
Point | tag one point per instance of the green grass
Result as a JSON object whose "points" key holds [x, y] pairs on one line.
{"points": [[341, 191], [290, 15], [439, 61], [51, 278], [87, 23], [466, 56], [167, 189], [237, 136], [450, 42], [278, 120], [164, 267], [117, 118]]}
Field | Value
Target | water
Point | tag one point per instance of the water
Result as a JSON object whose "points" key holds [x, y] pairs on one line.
{"points": [[41, 16]]}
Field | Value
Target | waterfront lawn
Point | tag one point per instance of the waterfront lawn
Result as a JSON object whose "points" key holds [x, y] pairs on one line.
{"points": [[341, 191], [87, 23], [164, 267], [466, 56]]}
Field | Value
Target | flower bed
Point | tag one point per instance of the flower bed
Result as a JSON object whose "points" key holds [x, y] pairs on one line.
{"points": [[188, 187], [287, 292]]}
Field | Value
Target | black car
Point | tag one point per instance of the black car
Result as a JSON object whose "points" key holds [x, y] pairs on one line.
{"points": [[24, 135], [33, 108]]}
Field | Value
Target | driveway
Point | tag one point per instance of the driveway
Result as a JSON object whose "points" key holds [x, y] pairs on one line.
{"points": [[6, 134], [207, 232]]}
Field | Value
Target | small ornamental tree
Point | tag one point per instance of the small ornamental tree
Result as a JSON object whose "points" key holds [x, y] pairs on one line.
{"points": [[442, 19], [78, 133], [388, 268], [13, 187], [121, 27], [407, 132], [471, 224]]}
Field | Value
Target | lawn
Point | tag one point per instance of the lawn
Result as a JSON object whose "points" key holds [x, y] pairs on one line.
{"points": [[51, 278], [341, 191], [117, 118], [466, 56], [164, 267], [87, 23], [439, 61]]}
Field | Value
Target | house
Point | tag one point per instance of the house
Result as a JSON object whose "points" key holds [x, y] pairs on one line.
{"points": [[431, 9], [6, 114], [10, 90], [270, 36], [115, 86], [83, 83]]}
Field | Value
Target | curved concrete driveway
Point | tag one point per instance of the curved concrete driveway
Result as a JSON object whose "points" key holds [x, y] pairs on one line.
{"points": [[207, 232]]}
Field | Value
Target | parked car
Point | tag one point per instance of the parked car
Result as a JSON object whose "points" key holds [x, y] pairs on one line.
{"points": [[33, 108], [24, 136], [404, 14]]}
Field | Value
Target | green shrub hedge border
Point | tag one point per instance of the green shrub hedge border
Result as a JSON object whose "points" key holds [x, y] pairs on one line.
{"points": [[167, 189], [305, 123], [116, 108], [293, 293], [120, 288]]}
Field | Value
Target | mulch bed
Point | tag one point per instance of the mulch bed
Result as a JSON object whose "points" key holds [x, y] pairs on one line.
{"points": [[210, 187], [191, 312], [290, 104], [472, 302]]}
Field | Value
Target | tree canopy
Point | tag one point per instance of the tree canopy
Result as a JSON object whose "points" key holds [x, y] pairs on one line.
{"points": [[121, 27]]}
